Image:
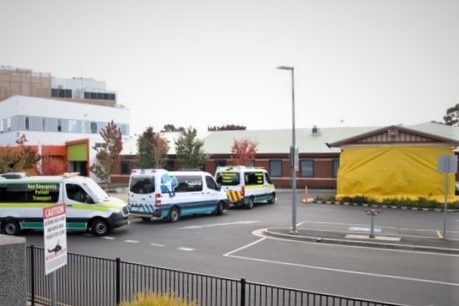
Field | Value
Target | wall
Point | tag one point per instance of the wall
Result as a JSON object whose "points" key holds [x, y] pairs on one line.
{"points": [[13, 285]]}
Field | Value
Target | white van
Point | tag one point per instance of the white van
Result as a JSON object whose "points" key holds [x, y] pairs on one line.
{"points": [[246, 185], [89, 207], [158, 193]]}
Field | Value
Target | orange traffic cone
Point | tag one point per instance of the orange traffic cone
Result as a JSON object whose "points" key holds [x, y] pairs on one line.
{"points": [[306, 198]]}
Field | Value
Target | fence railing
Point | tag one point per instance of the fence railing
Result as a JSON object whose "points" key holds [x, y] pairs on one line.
{"points": [[88, 281]]}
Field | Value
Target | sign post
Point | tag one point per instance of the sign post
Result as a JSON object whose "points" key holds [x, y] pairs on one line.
{"points": [[447, 164], [55, 236]]}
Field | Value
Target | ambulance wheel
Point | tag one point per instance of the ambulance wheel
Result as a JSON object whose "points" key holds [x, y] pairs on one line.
{"points": [[11, 227], [272, 200], [99, 227], [146, 219], [174, 214], [219, 210], [249, 204]]}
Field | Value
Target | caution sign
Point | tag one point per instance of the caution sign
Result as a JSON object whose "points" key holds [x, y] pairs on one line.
{"points": [[55, 236]]}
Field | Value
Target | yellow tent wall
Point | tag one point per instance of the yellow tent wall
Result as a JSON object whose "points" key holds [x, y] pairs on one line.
{"points": [[393, 172]]}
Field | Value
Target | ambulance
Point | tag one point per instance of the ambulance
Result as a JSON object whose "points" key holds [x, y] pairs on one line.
{"points": [[169, 195], [246, 186], [89, 207]]}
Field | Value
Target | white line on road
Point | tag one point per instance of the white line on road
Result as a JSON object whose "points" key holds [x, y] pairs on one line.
{"points": [[343, 271], [108, 238], [185, 249], [217, 224], [131, 241], [157, 245], [244, 247]]}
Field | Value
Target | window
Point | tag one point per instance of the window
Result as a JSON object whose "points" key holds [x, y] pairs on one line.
{"points": [[77, 193], [73, 126], [43, 124], [253, 178], [188, 183], [307, 168], [125, 167], [275, 168], [29, 193], [335, 167], [93, 127], [61, 93], [59, 125], [27, 123], [220, 163], [211, 183], [142, 185]]}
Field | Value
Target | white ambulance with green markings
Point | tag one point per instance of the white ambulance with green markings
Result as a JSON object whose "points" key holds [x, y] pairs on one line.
{"points": [[89, 207], [246, 185]]}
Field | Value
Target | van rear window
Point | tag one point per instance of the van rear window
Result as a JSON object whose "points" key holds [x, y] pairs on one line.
{"points": [[142, 185], [228, 178], [254, 178]]}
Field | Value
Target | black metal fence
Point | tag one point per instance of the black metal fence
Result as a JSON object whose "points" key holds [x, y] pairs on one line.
{"points": [[88, 281]]}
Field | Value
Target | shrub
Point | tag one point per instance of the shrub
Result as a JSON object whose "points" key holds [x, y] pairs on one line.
{"points": [[157, 299], [421, 202]]}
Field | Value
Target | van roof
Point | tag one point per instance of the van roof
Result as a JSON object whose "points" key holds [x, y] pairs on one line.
{"points": [[238, 167], [147, 171], [47, 179]]}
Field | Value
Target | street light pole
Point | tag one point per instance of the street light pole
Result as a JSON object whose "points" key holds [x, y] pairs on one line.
{"points": [[293, 151]]}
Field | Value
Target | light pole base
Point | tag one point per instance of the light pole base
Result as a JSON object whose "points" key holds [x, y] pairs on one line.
{"points": [[293, 232]]}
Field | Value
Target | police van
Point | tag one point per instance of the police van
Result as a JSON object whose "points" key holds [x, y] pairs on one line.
{"points": [[162, 194], [89, 207], [246, 185]]}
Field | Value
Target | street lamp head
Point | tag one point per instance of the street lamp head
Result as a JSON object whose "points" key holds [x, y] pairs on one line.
{"points": [[286, 68]]}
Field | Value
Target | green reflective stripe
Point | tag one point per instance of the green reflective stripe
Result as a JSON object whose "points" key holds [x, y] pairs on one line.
{"points": [[93, 207], [76, 225], [79, 225], [31, 224], [26, 205]]}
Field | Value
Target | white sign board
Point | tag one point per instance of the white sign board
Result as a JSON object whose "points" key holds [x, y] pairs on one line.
{"points": [[55, 235], [447, 164]]}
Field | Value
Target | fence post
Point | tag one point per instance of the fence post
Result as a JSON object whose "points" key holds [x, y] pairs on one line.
{"points": [[32, 274], [118, 281], [243, 284]]}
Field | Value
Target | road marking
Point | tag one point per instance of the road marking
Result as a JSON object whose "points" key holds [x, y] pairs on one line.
{"points": [[157, 245], [364, 229], [244, 247], [383, 238], [108, 238], [439, 234], [185, 249], [343, 271], [216, 224], [131, 241]]}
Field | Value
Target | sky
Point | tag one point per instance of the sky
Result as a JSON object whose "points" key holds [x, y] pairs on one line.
{"points": [[200, 63]]}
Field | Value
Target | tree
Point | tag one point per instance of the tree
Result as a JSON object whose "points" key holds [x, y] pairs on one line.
{"points": [[189, 149], [160, 151], [146, 148], [452, 116], [152, 149], [53, 166], [243, 151], [18, 158], [172, 128], [228, 127], [108, 155]]}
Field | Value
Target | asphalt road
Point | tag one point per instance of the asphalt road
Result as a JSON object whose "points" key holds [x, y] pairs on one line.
{"points": [[233, 245]]}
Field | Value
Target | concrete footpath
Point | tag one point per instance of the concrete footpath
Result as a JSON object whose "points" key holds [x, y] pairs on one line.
{"points": [[399, 242]]}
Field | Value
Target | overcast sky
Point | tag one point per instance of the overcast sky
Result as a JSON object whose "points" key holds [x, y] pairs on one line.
{"points": [[203, 63]]}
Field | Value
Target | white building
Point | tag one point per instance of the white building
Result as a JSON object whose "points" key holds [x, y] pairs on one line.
{"points": [[57, 113]]}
